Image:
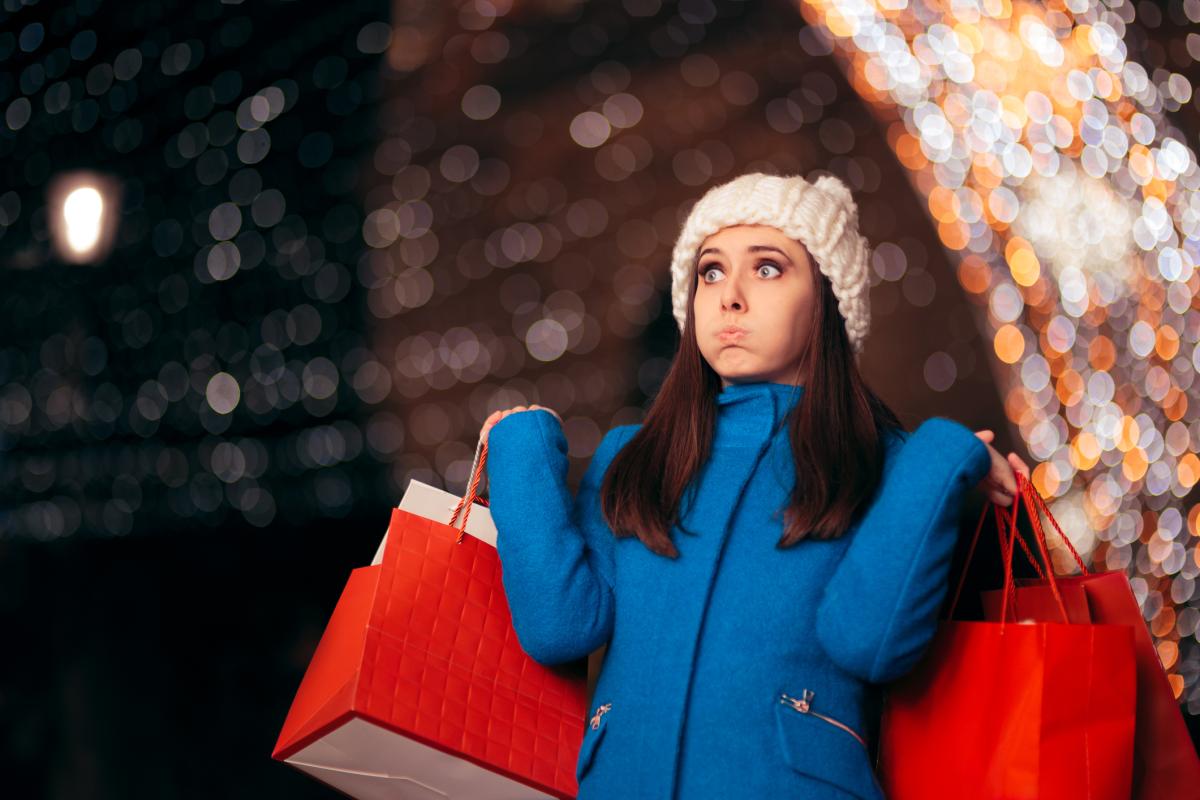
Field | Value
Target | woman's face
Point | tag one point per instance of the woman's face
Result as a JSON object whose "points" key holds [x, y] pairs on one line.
{"points": [[756, 278]]}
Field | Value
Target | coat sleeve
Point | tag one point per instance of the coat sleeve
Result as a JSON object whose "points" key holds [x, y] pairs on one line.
{"points": [[556, 553], [878, 612]]}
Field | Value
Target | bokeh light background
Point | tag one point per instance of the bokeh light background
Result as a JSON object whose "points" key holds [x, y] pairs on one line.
{"points": [[330, 239]]}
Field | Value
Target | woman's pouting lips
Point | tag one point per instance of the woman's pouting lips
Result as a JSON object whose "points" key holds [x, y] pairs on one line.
{"points": [[731, 333]]}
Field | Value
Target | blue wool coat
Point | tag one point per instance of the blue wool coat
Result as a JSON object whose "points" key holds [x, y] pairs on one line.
{"points": [[702, 648]]}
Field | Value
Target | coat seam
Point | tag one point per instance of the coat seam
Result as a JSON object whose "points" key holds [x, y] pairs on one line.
{"points": [[568, 505], [882, 647]]}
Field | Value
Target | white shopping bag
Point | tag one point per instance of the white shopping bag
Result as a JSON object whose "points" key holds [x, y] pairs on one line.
{"points": [[438, 505]]}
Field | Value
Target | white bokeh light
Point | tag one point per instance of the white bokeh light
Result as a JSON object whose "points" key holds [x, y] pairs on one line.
{"points": [[83, 213], [83, 216]]}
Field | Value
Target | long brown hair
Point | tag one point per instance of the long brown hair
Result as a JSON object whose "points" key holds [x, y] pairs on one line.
{"points": [[836, 430]]}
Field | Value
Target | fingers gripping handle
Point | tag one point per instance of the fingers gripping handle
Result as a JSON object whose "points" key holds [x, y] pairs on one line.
{"points": [[476, 475], [1035, 505]]}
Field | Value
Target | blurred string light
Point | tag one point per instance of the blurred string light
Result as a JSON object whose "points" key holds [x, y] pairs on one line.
{"points": [[1047, 162], [209, 374], [464, 216]]}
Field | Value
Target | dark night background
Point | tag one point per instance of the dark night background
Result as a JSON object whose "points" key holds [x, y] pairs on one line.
{"points": [[166, 570]]}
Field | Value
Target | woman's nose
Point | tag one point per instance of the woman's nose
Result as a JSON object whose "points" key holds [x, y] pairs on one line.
{"points": [[731, 295]]}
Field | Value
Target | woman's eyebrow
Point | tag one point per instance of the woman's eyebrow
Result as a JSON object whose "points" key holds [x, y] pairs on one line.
{"points": [[754, 248]]}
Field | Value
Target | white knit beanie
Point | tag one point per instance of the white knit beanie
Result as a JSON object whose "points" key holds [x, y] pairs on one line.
{"points": [[822, 215]]}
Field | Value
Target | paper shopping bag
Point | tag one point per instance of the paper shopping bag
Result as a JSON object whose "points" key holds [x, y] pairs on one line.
{"points": [[419, 687], [1017, 711], [1164, 758], [1013, 711]]}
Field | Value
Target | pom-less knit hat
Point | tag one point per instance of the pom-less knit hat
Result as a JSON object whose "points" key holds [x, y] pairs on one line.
{"points": [[822, 215]]}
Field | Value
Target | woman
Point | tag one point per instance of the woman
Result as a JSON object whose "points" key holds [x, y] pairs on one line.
{"points": [[768, 548]]}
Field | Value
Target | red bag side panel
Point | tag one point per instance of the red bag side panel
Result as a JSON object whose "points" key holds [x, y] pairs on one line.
{"points": [[1165, 759], [326, 693]]}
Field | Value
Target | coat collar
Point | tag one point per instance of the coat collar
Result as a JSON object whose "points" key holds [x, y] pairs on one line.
{"points": [[748, 414]]}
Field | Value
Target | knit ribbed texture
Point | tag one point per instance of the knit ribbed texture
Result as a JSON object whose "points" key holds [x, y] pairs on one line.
{"points": [[821, 214], [702, 646]]}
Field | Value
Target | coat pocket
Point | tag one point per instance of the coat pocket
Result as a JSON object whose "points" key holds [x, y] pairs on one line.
{"points": [[592, 735], [818, 745]]}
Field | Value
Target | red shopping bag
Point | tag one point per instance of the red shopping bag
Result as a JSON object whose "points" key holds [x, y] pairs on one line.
{"points": [[1165, 763], [1012, 710], [419, 687]]}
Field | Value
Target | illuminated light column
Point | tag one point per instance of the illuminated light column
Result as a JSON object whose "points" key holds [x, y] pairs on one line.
{"points": [[1047, 165]]}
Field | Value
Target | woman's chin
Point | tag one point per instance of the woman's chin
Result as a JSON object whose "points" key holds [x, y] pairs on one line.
{"points": [[739, 373]]}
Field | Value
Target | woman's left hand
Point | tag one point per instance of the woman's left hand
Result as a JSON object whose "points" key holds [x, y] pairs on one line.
{"points": [[1000, 484]]}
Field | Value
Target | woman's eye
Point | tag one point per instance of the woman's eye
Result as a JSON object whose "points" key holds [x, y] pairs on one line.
{"points": [[707, 268]]}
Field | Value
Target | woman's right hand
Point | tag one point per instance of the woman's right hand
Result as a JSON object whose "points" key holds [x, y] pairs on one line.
{"points": [[499, 415], [1000, 484]]}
